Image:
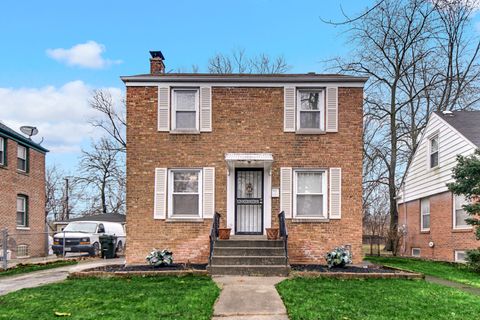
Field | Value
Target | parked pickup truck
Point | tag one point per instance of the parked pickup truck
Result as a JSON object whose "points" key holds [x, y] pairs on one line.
{"points": [[83, 236]]}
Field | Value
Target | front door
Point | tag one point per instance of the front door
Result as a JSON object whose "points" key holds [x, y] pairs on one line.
{"points": [[248, 201]]}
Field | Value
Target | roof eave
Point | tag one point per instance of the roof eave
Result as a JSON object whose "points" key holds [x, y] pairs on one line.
{"points": [[24, 141], [243, 79]]}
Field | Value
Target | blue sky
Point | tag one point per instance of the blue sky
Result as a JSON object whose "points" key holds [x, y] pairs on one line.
{"points": [[45, 79]]}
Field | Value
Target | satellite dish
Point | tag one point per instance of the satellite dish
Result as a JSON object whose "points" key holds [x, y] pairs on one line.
{"points": [[29, 131]]}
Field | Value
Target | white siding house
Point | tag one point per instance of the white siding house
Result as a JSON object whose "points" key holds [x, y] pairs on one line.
{"points": [[424, 176]]}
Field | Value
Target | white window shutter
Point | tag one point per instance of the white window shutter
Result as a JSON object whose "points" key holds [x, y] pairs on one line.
{"points": [[160, 200], [335, 193], [332, 109], [163, 109], [208, 192], [289, 109], [206, 109], [286, 191]]}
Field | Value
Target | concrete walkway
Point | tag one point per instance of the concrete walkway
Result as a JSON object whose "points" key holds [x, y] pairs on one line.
{"points": [[248, 298], [38, 278], [460, 286]]}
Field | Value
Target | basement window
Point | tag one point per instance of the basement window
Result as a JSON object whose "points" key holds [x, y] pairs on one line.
{"points": [[460, 256], [416, 252]]}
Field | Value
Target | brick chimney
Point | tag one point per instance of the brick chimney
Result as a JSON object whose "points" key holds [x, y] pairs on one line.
{"points": [[156, 62]]}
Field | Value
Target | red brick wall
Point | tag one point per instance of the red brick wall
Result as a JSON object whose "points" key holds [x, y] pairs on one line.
{"points": [[31, 184], [442, 234], [244, 120]]}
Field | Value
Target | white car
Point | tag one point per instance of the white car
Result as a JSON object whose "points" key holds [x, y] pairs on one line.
{"points": [[83, 236]]}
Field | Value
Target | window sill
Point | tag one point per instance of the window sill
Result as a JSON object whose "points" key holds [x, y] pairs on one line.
{"points": [[189, 220], [3, 166], [23, 228], [426, 231], [310, 131], [184, 132], [25, 173], [310, 220], [460, 230]]}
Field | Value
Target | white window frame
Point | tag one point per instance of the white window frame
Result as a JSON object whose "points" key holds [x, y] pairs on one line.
{"points": [[174, 109], [170, 194], [419, 252], [429, 160], [322, 110], [422, 214], [2, 149], [454, 216], [456, 252], [25, 213], [19, 146], [324, 193]]}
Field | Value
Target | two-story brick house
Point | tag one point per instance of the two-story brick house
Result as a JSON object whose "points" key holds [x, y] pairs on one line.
{"points": [[22, 193], [431, 215], [247, 146]]}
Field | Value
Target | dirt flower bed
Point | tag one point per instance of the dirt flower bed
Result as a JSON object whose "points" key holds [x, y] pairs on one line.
{"points": [[127, 268], [352, 272], [127, 271]]}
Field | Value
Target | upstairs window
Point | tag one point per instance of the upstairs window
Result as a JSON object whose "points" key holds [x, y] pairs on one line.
{"points": [[185, 106], [310, 110], [22, 158], [425, 214], [184, 193], [459, 214], [2, 152], [22, 211], [433, 159]]}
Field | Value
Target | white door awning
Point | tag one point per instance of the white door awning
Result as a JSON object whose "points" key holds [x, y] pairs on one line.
{"points": [[234, 160]]}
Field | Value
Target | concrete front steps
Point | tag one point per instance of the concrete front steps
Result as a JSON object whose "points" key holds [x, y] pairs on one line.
{"points": [[249, 256]]}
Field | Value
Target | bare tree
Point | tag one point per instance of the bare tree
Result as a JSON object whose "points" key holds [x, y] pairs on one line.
{"points": [[419, 59], [111, 119], [54, 192], [239, 62], [102, 176]]}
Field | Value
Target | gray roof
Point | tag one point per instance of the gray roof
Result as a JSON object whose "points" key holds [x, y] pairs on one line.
{"points": [[212, 77], [109, 217], [466, 122], [12, 134]]}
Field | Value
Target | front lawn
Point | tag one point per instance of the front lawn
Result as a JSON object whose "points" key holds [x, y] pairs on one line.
{"points": [[449, 271], [317, 298], [25, 268], [189, 297]]}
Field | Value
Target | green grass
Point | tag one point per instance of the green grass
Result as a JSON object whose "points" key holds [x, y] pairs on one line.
{"points": [[25, 268], [449, 271], [317, 298], [189, 297]]}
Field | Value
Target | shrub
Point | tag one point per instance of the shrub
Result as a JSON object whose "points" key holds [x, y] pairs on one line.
{"points": [[473, 259], [159, 258], [338, 257]]}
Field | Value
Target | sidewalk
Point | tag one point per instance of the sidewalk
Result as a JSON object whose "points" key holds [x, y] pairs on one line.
{"points": [[460, 286], [249, 298], [39, 278]]}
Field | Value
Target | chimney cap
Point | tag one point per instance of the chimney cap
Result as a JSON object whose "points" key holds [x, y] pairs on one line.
{"points": [[157, 54]]}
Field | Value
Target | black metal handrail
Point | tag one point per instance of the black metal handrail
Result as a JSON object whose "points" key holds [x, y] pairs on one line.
{"points": [[213, 234], [283, 232]]}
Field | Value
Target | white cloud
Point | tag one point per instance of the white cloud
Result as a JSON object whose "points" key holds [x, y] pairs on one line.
{"points": [[61, 114], [87, 55]]}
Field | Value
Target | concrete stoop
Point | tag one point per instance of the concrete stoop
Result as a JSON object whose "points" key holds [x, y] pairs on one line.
{"points": [[249, 257]]}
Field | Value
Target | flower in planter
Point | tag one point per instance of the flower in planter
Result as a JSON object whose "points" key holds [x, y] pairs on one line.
{"points": [[338, 257], [159, 258]]}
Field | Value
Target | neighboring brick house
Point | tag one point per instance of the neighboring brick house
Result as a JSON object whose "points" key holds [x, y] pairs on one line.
{"points": [[247, 146], [22, 193], [432, 215]]}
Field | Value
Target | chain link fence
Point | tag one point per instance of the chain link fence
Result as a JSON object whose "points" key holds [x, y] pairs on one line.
{"points": [[23, 246]]}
